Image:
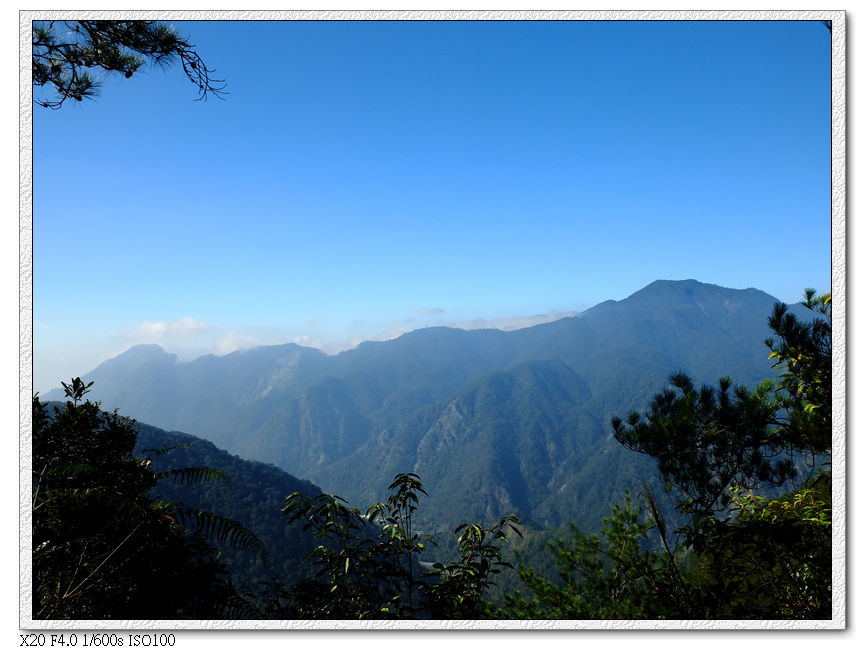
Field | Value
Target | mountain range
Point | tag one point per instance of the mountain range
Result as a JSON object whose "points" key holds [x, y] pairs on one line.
{"points": [[495, 422]]}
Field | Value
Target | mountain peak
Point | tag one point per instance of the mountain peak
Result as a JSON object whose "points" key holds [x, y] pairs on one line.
{"points": [[690, 289], [144, 352], [146, 347], [140, 355], [675, 285]]}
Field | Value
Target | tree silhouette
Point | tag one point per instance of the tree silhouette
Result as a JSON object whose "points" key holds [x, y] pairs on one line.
{"points": [[65, 53], [101, 547]]}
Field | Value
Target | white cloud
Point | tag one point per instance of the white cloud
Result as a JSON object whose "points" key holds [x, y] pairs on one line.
{"points": [[153, 330], [179, 328], [394, 330], [309, 341], [188, 324], [189, 338], [230, 341]]}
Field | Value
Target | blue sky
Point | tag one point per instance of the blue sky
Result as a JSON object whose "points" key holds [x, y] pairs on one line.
{"points": [[362, 179]]}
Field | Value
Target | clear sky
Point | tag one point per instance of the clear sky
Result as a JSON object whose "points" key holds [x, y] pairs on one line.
{"points": [[362, 179]]}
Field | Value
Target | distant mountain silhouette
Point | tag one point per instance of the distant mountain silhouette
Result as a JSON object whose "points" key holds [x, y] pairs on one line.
{"points": [[493, 421]]}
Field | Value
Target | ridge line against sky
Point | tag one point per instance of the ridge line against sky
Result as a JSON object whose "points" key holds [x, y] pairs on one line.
{"points": [[395, 171], [189, 339]]}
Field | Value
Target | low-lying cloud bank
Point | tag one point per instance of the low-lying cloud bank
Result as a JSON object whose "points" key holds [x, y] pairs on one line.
{"points": [[190, 338]]}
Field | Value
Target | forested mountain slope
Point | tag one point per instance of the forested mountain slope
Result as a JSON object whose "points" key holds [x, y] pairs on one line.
{"points": [[254, 497], [494, 422]]}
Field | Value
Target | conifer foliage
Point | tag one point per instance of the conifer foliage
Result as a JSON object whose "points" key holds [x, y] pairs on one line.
{"points": [[66, 54]]}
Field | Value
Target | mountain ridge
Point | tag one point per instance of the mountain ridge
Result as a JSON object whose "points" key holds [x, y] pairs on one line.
{"points": [[144, 350], [530, 408]]}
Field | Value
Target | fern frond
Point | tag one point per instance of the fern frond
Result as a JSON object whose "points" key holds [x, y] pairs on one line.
{"points": [[164, 449], [188, 475], [222, 529]]}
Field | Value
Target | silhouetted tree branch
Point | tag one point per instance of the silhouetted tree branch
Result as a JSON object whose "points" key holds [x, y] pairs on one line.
{"points": [[65, 53]]}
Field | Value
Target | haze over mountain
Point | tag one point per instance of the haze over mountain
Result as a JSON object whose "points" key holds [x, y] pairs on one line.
{"points": [[494, 421]]}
